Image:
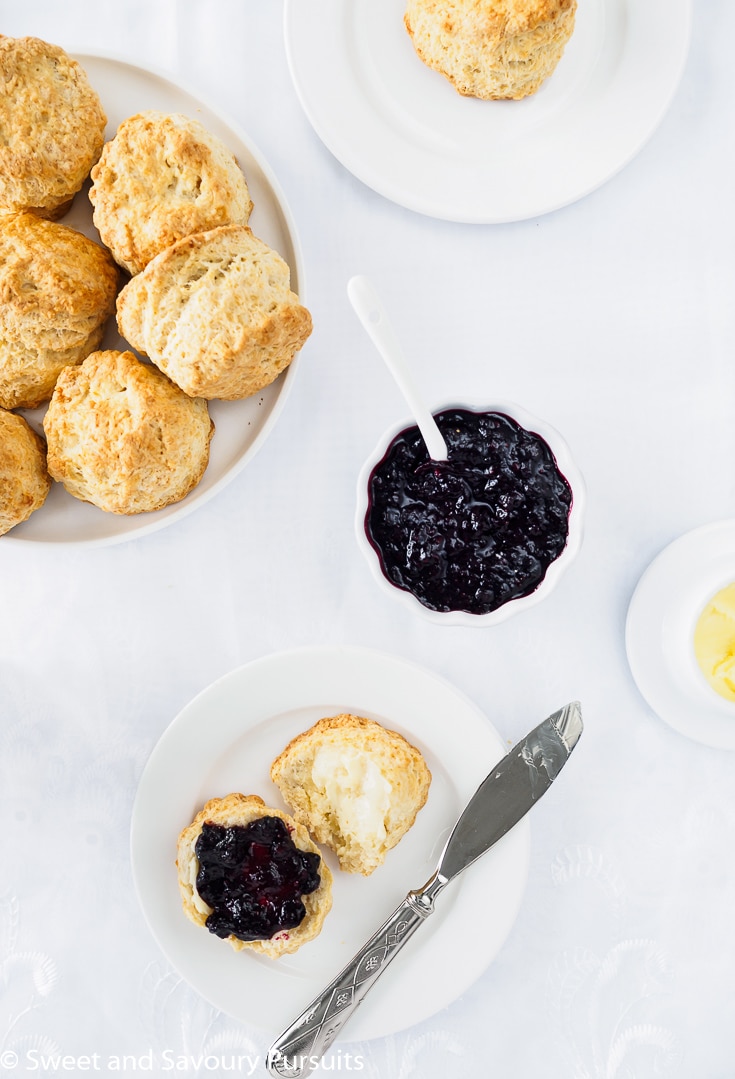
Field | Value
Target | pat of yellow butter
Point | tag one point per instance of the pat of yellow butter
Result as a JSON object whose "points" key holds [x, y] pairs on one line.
{"points": [[357, 790], [714, 642]]}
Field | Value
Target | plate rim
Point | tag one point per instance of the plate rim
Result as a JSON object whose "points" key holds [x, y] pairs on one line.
{"points": [[151, 523], [440, 210], [518, 840]]}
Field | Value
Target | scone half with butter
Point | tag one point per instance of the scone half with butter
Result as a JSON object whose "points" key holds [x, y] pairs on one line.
{"points": [[355, 785], [251, 875], [215, 312]]}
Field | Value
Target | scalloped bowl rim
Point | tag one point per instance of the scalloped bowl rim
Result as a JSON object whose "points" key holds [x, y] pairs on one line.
{"points": [[556, 570]]}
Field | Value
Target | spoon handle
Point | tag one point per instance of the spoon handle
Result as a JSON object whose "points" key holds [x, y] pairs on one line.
{"points": [[371, 313]]}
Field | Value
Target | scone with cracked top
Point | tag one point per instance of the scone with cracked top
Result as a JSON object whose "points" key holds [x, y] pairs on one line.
{"points": [[24, 480], [356, 786], [52, 127], [123, 437], [269, 888], [162, 177], [491, 49], [57, 291], [216, 313]]}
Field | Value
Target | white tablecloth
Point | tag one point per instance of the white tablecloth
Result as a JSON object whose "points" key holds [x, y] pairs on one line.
{"points": [[612, 318]]}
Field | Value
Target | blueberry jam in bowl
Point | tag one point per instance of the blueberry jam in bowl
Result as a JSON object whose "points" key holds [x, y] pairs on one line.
{"points": [[480, 537]]}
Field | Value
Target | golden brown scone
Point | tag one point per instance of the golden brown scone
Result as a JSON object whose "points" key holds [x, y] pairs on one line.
{"points": [[52, 125], [24, 481], [123, 437], [163, 177], [355, 785], [216, 313], [242, 809], [57, 290], [491, 48]]}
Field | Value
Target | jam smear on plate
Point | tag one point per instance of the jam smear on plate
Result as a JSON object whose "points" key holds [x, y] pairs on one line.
{"points": [[475, 531], [253, 877]]}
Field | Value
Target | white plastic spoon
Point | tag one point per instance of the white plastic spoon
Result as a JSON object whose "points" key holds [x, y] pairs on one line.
{"points": [[371, 313]]}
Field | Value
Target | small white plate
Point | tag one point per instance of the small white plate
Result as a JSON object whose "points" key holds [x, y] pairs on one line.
{"points": [[659, 633], [403, 129], [241, 426], [225, 741]]}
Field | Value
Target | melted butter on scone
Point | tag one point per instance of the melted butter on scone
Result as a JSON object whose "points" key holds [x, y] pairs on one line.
{"points": [[357, 790], [355, 785]]}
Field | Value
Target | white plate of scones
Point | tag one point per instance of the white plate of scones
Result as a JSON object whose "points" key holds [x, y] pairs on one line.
{"points": [[485, 111], [225, 760], [202, 430]]}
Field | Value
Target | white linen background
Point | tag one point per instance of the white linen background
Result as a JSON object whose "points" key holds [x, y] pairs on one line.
{"points": [[613, 319]]}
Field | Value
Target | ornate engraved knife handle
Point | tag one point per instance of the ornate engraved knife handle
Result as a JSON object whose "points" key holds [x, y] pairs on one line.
{"points": [[300, 1048]]}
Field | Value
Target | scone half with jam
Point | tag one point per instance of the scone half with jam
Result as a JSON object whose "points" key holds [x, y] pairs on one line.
{"points": [[251, 875], [355, 785]]}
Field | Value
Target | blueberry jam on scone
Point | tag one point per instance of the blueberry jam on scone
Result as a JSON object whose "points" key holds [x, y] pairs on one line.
{"points": [[253, 878]]}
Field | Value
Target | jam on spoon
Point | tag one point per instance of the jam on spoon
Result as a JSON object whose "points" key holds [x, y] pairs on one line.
{"points": [[474, 531]]}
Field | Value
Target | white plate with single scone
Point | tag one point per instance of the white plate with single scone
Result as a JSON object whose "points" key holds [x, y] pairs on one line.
{"points": [[240, 426], [403, 129], [225, 741]]}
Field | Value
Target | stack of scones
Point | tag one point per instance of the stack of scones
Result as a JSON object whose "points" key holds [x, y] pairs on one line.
{"points": [[207, 302]]}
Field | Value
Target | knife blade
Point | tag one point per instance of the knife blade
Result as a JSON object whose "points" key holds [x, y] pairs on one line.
{"points": [[513, 786]]}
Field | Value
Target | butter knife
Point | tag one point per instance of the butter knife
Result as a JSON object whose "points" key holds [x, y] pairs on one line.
{"points": [[514, 785]]}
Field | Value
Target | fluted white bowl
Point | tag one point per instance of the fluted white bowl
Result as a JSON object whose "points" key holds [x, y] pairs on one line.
{"points": [[555, 571]]}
